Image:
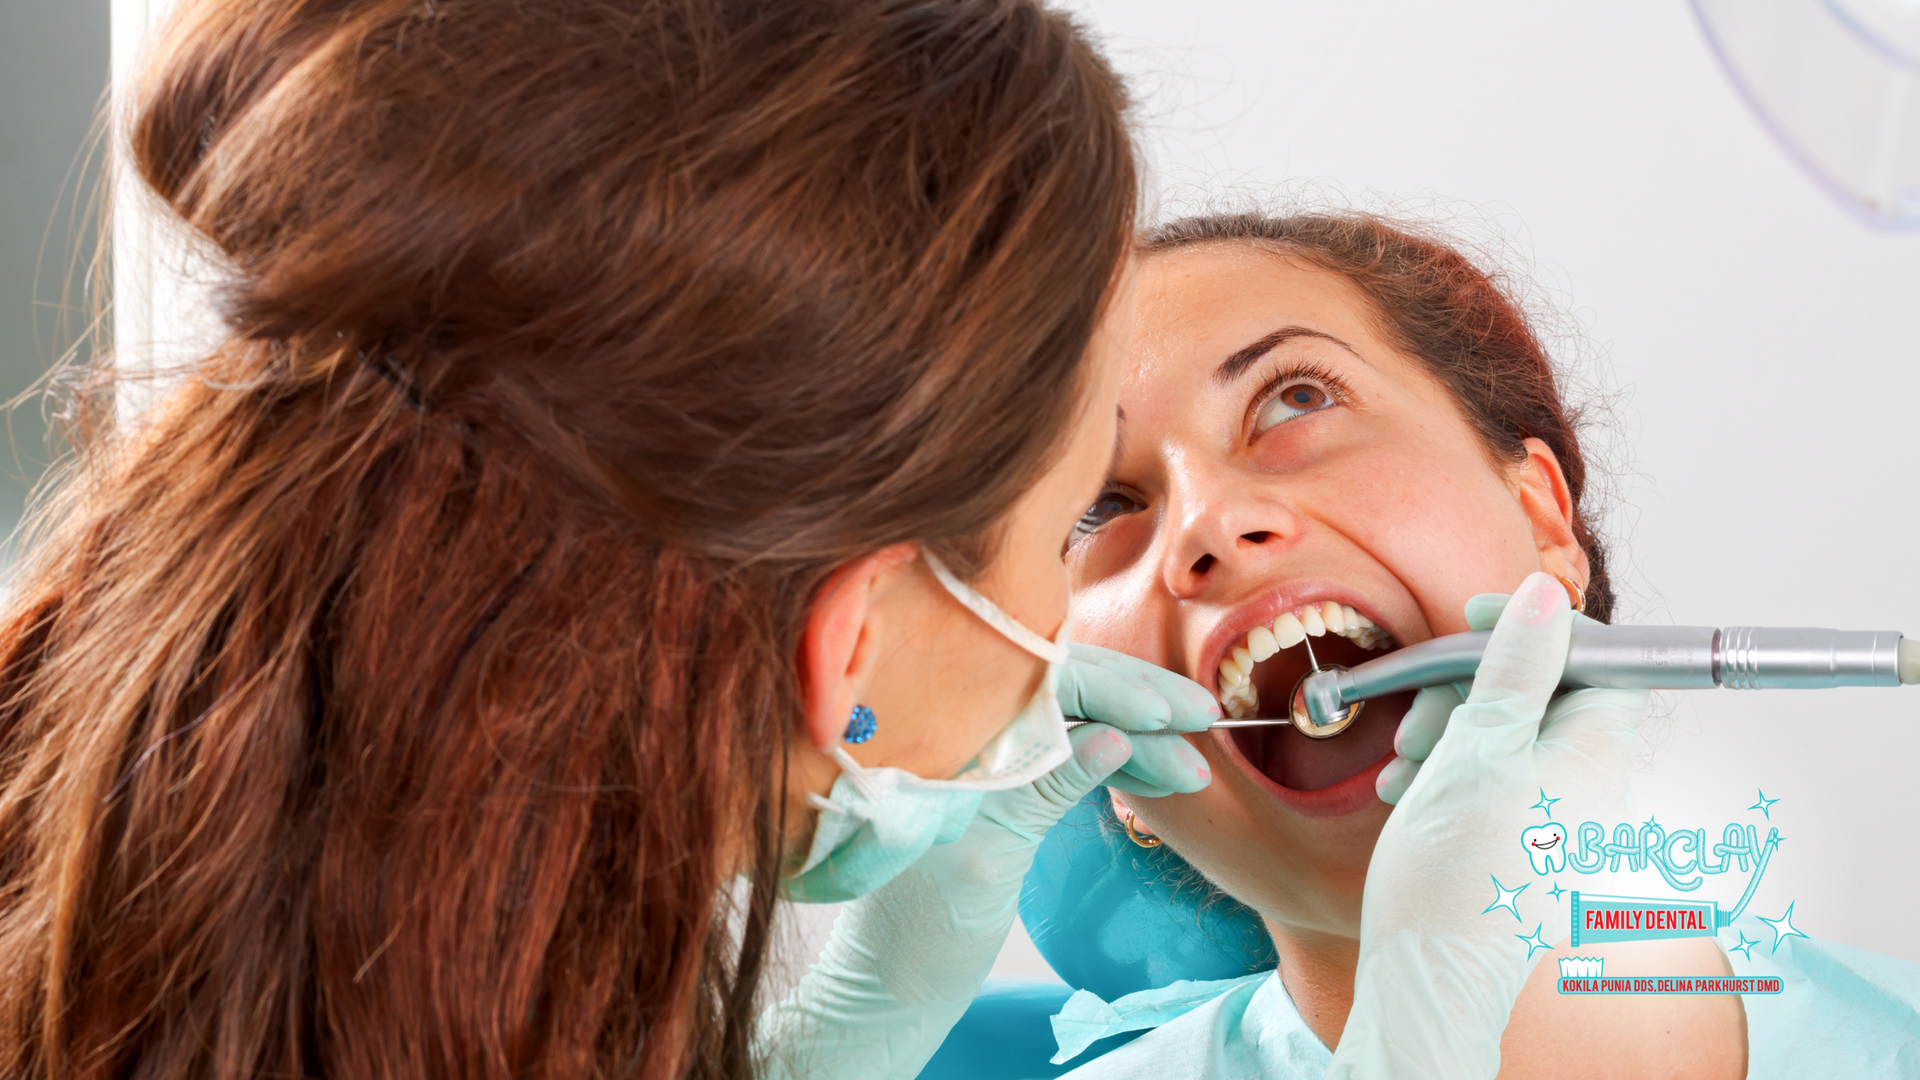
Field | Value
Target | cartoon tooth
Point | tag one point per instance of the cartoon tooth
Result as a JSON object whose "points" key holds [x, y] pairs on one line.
{"points": [[1546, 847]]}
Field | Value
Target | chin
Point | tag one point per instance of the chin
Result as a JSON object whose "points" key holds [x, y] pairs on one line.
{"points": [[1301, 868], [1327, 832]]}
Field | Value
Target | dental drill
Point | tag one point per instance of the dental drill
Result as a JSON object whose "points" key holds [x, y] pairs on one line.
{"points": [[1328, 698]]}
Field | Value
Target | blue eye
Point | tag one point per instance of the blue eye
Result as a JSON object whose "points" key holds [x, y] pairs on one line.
{"points": [[1294, 400], [1111, 504]]}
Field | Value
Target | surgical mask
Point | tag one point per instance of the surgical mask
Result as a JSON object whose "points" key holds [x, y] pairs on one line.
{"points": [[876, 822]]}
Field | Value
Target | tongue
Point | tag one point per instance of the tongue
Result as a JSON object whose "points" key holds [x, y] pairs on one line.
{"points": [[1295, 761]]}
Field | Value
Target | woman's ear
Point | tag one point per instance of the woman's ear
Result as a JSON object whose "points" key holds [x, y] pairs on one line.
{"points": [[1542, 490], [837, 651]]}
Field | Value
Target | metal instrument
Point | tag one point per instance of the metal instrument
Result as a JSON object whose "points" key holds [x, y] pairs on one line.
{"points": [[1629, 657]]}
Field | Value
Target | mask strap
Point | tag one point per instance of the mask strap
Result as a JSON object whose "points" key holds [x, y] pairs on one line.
{"points": [[1053, 652], [856, 774]]}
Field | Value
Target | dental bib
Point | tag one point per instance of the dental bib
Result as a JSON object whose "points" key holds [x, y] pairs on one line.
{"points": [[876, 822]]}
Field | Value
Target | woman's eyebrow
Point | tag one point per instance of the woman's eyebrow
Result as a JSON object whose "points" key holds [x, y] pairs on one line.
{"points": [[1231, 368]]}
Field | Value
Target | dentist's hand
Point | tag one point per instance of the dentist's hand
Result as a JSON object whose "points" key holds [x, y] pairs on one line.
{"points": [[1133, 695], [904, 963], [1438, 971], [1426, 719]]}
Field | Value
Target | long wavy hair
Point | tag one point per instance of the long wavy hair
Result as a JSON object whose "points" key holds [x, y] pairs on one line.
{"points": [[401, 694]]}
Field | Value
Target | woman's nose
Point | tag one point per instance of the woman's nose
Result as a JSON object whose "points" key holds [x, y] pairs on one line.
{"points": [[1217, 539]]}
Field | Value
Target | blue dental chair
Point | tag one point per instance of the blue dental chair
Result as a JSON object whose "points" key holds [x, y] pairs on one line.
{"points": [[1110, 917]]}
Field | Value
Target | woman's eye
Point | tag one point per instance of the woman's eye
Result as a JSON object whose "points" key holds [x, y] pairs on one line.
{"points": [[1294, 400], [1110, 505]]}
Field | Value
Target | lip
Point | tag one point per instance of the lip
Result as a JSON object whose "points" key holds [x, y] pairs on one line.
{"points": [[1349, 796], [1233, 629]]}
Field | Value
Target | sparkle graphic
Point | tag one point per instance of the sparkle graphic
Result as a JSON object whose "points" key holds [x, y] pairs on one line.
{"points": [[1765, 805], [1504, 897], [1534, 941], [1650, 820], [1545, 805], [1779, 934], [1745, 948], [1553, 892]]}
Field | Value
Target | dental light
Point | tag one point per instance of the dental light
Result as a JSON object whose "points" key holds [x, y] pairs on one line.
{"points": [[1838, 83]]}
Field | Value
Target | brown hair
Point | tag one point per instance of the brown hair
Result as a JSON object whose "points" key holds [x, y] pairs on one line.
{"points": [[400, 695], [1438, 306]]}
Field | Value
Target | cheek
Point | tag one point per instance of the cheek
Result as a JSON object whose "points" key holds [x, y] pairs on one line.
{"points": [[1113, 613], [1445, 533], [962, 688]]}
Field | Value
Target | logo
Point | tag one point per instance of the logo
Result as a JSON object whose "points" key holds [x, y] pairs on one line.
{"points": [[1546, 847], [1631, 918], [1685, 859]]}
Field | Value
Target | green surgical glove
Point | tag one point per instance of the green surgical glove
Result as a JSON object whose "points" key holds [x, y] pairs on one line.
{"points": [[1438, 972], [1133, 695], [904, 963]]}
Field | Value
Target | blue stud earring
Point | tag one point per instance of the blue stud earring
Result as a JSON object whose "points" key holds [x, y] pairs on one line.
{"points": [[860, 728]]}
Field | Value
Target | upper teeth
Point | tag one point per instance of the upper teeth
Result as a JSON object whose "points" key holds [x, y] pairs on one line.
{"points": [[1237, 694]]}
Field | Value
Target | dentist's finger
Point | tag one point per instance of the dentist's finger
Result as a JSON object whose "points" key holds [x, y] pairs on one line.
{"points": [[1127, 692], [1483, 610], [1097, 751], [1168, 763], [1395, 779], [1525, 656], [1133, 785], [1426, 721]]}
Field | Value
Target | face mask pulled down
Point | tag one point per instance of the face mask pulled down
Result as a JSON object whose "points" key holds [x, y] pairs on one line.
{"points": [[877, 822]]}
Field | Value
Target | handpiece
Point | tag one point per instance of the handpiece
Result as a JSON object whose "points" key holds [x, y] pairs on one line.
{"points": [[1628, 657]]}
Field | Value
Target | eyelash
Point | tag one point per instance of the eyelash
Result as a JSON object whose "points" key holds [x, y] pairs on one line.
{"points": [[1329, 383], [1086, 526]]}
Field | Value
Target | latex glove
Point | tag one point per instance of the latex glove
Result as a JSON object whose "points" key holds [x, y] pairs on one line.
{"points": [[903, 964], [1426, 719], [1133, 695], [1438, 972]]}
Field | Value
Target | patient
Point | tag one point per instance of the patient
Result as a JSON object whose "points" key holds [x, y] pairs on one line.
{"points": [[1337, 431]]}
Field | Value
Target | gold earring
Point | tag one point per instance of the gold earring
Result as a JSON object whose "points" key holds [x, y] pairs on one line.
{"points": [[1134, 833], [1575, 595]]}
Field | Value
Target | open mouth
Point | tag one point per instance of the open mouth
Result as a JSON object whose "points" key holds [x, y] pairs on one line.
{"points": [[1257, 679]]}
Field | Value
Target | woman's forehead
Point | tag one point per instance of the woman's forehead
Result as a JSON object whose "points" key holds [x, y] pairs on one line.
{"points": [[1199, 304], [1205, 308]]}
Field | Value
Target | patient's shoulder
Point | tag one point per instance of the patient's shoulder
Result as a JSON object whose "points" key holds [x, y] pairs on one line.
{"points": [[1701, 1036]]}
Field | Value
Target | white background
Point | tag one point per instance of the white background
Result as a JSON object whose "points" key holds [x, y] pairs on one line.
{"points": [[1763, 344]]}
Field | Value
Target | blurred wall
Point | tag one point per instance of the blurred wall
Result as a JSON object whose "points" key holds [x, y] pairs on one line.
{"points": [[53, 70]]}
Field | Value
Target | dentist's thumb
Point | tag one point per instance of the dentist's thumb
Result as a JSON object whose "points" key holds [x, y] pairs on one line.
{"points": [[1519, 671]]}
